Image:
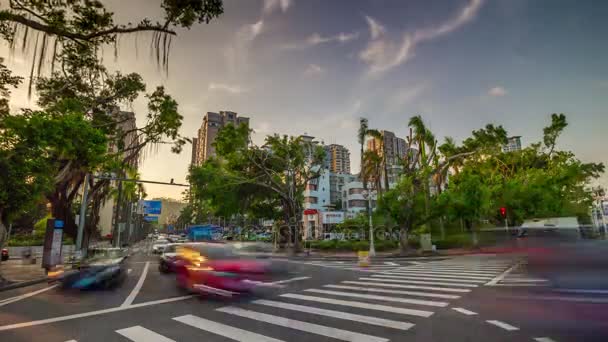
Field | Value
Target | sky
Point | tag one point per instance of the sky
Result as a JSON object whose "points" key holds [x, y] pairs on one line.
{"points": [[317, 66]]}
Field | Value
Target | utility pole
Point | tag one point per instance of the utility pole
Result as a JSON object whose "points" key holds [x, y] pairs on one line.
{"points": [[117, 216], [82, 217]]}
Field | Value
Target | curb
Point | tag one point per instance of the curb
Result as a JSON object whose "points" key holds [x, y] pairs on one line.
{"points": [[23, 284]]}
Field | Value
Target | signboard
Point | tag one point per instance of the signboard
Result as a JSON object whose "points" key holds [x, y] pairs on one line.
{"points": [[51, 254], [333, 217], [152, 207], [204, 233], [151, 218]]}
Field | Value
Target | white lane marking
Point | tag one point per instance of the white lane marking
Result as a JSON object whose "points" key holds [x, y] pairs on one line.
{"points": [[596, 300], [337, 314], [27, 295], [141, 334], [339, 334], [224, 330], [502, 275], [384, 298], [361, 305], [411, 293], [407, 281], [543, 339], [71, 341], [465, 311], [129, 271], [88, 314], [289, 280], [391, 263], [437, 275], [401, 286], [137, 287], [503, 325]]}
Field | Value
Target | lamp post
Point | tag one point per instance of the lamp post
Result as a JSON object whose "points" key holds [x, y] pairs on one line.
{"points": [[367, 194]]}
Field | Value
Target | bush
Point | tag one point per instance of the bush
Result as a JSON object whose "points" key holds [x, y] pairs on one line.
{"points": [[454, 241], [33, 240]]}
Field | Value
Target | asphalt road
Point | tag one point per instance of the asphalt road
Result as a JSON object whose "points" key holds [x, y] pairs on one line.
{"points": [[396, 300]]}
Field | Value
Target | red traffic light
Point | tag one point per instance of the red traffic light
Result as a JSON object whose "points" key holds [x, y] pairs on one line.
{"points": [[503, 211]]}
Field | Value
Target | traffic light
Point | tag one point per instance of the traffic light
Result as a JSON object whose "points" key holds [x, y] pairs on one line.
{"points": [[503, 211]]}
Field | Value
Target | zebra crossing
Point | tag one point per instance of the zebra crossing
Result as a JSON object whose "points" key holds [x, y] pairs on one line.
{"points": [[375, 307], [353, 265], [518, 276]]}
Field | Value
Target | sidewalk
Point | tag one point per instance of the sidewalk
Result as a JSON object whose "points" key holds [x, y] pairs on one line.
{"points": [[13, 271], [388, 254]]}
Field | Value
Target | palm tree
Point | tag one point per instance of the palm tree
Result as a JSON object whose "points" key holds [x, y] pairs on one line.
{"points": [[380, 139], [361, 135], [371, 169]]}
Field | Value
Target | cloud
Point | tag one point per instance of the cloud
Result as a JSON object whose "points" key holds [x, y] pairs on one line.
{"points": [[273, 5], [405, 96], [497, 91], [233, 89], [317, 39], [313, 70], [382, 53], [250, 31], [374, 27]]}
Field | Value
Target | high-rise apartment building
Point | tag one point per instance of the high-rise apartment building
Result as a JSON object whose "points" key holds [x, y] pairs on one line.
{"points": [[395, 149], [212, 123], [337, 158], [513, 144]]}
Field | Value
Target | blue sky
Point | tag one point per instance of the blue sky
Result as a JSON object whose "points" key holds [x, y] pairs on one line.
{"points": [[316, 66]]}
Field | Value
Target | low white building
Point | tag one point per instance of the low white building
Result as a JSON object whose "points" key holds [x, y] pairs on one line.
{"points": [[316, 194], [353, 199]]}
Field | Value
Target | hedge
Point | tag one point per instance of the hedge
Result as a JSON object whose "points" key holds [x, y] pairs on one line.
{"points": [[33, 240], [349, 245]]}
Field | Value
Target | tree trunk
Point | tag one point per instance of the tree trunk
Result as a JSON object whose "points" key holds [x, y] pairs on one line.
{"points": [[404, 244], [62, 210], [3, 231]]}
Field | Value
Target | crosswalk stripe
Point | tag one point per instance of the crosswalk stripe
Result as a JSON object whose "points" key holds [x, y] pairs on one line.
{"points": [[460, 269], [377, 307], [384, 298], [337, 314], [411, 293], [141, 334], [414, 277], [340, 334], [419, 282], [224, 330], [443, 274], [401, 286]]}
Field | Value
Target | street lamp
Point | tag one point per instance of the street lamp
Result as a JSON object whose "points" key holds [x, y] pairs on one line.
{"points": [[368, 195]]}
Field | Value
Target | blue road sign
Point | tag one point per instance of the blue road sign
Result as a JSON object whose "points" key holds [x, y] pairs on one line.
{"points": [[152, 207]]}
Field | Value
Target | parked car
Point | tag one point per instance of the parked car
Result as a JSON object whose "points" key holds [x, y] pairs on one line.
{"points": [[5, 255], [168, 258], [159, 246], [215, 268]]}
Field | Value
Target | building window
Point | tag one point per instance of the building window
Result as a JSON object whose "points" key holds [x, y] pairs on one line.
{"points": [[312, 187], [356, 203], [355, 191], [311, 200]]}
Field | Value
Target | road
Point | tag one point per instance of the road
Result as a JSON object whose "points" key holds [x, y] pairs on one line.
{"points": [[451, 299]]}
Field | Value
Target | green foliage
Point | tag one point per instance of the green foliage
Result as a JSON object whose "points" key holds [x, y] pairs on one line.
{"points": [[353, 246]]}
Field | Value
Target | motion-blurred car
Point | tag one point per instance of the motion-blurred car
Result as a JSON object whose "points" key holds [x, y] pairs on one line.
{"points": [[215, 268], [104, 269], [5, 255], [159, 246]]}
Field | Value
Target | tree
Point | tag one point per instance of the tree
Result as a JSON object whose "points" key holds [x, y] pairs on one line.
{"points": [[361, 135], [73, 32], [381, 151], [277, 171]]}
